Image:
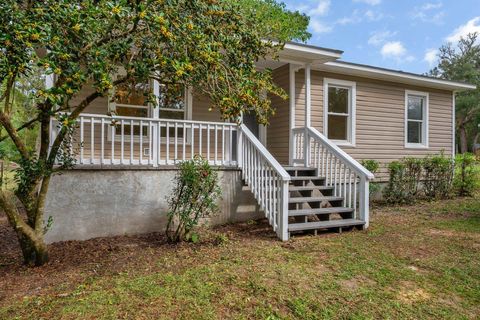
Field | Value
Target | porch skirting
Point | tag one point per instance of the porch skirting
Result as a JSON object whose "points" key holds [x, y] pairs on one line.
{"points": [[92, 202]]}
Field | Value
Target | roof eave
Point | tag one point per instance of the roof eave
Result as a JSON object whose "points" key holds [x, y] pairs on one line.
{"points": [[394, 76]]}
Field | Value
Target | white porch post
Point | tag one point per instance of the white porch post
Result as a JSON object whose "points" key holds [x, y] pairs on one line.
{"points": [[292, 119], [364, 199], [308, 115], [156, 126]]}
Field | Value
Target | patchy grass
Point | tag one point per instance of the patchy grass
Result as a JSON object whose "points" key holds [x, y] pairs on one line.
{"points": [[416, 262]]}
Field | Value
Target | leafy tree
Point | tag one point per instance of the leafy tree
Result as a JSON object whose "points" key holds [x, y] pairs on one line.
{"points": [[462, 63], [274, 21], [211, 45]]}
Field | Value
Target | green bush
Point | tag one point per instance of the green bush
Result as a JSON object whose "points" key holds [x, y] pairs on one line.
{"points": [[438, 176], [403, 182], [466, 179], [372, 166], [195, 196]]}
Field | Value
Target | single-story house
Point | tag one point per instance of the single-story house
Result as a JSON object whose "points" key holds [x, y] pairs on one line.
{"points": [[302, 171]]}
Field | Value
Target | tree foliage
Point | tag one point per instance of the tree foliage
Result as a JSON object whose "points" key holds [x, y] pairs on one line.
{"points": [[210, 45], [275, 21], [462, 63]]}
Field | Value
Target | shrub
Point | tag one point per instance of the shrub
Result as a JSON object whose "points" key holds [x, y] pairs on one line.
{"points": [[372, 166], [403, 182], [438, 174], [466, 178], [413, 169], [194, 196]]}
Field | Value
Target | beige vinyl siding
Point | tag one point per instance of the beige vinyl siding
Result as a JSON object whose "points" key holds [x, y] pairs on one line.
{"points": [[380, 118], [278, 129]]}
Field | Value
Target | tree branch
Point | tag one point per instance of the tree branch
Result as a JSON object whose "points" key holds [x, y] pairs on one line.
{"points": [[72, 116], [12, 132]]}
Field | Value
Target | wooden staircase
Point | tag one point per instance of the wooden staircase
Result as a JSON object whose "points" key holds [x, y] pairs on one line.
{"points": [[313, 206]]}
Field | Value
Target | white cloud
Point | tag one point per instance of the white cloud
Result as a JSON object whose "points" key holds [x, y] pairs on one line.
{"points": [[379, 37], [429, 12], [393, 49], [316, 13], [471, 26], [354, 18], [397, 51], [431, 56], [370, 2], [319, 27], [373, 15], [321, 9], [357, 17]]}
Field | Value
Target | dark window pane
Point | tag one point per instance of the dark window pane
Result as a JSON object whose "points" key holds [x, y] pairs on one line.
{"points": [[414, 131], [338, 100], [132, 112], [415, 107], [337, 127], [172, 96], [132, 93], [166, 114]]}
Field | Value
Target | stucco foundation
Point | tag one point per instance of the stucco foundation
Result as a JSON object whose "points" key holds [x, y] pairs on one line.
{"points": [[91, 203]]}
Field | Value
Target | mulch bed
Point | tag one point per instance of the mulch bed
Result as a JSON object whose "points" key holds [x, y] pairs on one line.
{"points": [[72, 262]]}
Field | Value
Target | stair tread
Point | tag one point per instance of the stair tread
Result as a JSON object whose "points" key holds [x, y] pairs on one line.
{"points": [[314, 199], [299, 168], [305, 212], [303, 178], [302, 188], [325, 224]]}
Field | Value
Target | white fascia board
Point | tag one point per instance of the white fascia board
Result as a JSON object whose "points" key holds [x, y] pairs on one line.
{"points": [[393, 76]]}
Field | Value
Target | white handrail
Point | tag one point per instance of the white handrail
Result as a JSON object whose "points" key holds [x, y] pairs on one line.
{"points": [[361, 170], [348, 178], [266, 178]]}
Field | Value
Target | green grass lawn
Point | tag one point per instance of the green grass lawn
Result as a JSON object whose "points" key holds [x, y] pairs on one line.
{"points": [[416, 262]]}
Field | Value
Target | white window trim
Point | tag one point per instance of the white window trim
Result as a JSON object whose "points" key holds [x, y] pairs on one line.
{"points": [[154, 112], [425, 143], [351, 125]]}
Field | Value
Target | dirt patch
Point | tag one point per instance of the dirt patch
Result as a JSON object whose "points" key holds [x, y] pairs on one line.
{"points": [[355, 283], [453, 233], [409, 293]]}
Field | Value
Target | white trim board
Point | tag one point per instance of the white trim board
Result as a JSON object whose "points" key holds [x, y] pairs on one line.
{"points": [[425, 127], [351, 141], [365, 71]]}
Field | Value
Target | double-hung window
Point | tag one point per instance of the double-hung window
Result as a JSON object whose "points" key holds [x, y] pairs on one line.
{"points": [[339, 115], [131, 100], [416, 119], [172, 105]]}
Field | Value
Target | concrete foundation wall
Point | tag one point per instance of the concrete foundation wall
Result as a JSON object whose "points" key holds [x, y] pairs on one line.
{"points": [[92, 203]]}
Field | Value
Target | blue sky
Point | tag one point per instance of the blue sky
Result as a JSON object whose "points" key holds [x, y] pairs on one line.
{"points": [[396, 34]]}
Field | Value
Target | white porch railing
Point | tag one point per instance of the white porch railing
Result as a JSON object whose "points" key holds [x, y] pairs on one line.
{"points": [[118, 140], [267, 179], [349, 178]]}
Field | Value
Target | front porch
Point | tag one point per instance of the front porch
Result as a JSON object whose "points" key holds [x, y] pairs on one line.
{"points": [[300, 179]]}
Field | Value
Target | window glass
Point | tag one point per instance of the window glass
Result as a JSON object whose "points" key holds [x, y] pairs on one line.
{"points": [[414, 132], [338, 99], [415, 107], [132, 94], [172, 96], [338, 127]]}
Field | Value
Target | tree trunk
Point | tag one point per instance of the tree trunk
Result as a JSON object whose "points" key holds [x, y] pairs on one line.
{"points": [[34, 252], [463, 139], [30, 238]]}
